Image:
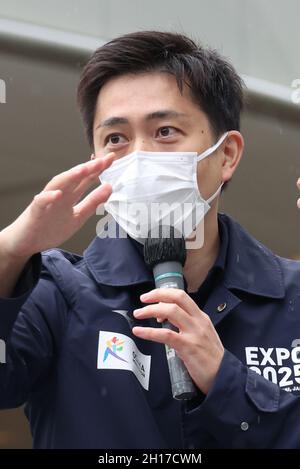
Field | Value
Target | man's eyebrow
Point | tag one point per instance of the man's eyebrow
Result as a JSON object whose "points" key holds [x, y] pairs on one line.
{"points": [[162, 114], [165, 113], [111, 121]]}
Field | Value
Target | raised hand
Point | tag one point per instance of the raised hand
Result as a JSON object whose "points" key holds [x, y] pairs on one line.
{"points": [[56, 213]]}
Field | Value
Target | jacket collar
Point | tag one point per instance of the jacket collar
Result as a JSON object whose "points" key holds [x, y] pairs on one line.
{"points": [[117, 261], [250, 266]]}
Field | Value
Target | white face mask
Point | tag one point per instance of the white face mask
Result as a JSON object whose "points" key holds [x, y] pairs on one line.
{"points": [[152, 188]]}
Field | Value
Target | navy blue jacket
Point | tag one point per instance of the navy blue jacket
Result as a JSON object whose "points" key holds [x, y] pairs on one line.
{"points": [[52, 332]]}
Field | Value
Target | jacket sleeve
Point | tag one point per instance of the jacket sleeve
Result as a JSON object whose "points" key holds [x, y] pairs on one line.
{"points": [[31, 324], [245, 410]]}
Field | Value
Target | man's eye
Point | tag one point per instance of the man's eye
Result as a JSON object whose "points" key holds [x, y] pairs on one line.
{"points": [[166, 131], [114, 139]]}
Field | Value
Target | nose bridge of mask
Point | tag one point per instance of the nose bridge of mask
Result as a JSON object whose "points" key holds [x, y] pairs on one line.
{"points": [[210, 150]]}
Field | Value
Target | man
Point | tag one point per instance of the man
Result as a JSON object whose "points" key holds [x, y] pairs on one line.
{"points": [[85, 350]]}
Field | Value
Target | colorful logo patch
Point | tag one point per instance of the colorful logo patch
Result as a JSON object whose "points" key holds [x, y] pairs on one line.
{"points": [[114, 345]]}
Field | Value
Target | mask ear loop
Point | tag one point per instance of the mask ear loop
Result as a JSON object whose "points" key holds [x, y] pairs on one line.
{"points": [[212, 197], [210, 150]]}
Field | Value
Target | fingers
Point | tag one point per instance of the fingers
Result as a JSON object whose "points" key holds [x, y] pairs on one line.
{"points": [[298, 185], [82, 176], [68, 180], [83, 186], [88, 205], [45, 198], [162, 336], [172, 295], [165, 311]]}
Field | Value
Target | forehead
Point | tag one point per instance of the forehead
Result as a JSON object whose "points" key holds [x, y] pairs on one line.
{"points": [[142, 94]]}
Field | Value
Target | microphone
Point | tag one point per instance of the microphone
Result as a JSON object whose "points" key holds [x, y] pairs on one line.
{"points": [[165, 253]]}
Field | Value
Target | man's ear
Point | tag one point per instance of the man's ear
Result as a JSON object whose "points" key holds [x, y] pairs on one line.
{"points": [[232, 153]]}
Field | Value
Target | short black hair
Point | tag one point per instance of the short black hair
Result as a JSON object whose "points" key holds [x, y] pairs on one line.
{"points": [[214, 84]]}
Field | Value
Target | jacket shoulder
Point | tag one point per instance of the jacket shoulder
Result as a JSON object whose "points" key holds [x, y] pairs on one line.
{"points": [[64, 269]]}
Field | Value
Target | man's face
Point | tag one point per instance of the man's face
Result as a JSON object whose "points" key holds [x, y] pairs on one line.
{"points": [[148, 112]]}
